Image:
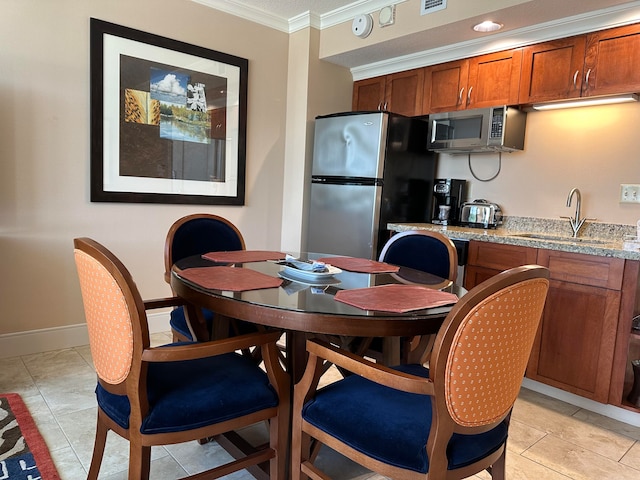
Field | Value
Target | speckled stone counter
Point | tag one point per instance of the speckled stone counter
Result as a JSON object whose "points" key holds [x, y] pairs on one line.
{"points": [[603, 239]]}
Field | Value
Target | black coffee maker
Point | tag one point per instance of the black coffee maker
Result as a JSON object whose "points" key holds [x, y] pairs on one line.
{"points": [[448, 196]]}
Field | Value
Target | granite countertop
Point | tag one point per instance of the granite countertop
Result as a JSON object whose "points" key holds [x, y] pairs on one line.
{"points": [[602, 239]]}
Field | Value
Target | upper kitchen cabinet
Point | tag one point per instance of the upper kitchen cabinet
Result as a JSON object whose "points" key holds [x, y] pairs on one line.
{"points": [[398, 92], [600, 63], [612, 61], [483, 81], [552, 70], [369, 94]]}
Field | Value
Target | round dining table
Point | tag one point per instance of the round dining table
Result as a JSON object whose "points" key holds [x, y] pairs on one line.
{"points": [[303, 307]]}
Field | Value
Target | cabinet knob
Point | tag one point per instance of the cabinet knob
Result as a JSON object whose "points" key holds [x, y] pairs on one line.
{"points": [[575, 80], [460, 96], [469, 95]]}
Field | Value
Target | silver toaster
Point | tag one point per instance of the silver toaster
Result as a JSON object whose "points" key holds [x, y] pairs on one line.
{"points": [[480, 214]]}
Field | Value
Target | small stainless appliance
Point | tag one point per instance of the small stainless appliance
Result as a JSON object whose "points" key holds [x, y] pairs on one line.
{"points": [[494, 129], [448, 197], [480, 214]]}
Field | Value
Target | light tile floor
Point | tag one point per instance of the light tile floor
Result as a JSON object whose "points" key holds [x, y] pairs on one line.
{"points": [[549, 439]]}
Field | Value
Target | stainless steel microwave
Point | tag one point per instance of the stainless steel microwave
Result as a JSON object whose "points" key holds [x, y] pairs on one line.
{"points": [[494, 129]]}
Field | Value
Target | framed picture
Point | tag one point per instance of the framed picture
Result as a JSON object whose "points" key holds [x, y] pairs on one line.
{"points": [[168, 120]]}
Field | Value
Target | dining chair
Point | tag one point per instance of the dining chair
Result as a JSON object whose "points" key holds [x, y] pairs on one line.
{"points": [[450, 420], [424, 250], [177, 392], [427, 251], [198, 234]]}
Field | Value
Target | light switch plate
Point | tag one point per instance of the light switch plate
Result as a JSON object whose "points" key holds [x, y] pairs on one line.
{"points": [[629, 193]]}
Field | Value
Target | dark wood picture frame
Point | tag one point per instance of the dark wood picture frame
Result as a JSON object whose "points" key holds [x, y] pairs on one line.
{"points": [[168, 120]]}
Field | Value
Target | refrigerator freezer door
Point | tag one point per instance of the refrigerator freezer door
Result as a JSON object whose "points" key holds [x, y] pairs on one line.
{"points": [[343, 219], [350, 145]]}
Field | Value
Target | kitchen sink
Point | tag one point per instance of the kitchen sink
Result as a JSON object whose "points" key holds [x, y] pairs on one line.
{"points": [[557, 238]]}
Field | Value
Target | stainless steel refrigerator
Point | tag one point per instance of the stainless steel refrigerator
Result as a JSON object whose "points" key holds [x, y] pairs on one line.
{"points": [[369, 169]]}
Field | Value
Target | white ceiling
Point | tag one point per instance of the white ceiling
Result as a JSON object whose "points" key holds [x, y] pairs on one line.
{"points": [[528, 22]]}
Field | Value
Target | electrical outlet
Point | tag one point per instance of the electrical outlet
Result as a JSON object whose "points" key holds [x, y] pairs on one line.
{"points": [[629, 193]]}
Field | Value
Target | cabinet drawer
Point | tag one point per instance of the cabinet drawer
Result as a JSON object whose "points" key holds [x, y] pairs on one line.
{"points": [[583, 269], [500, 257]]}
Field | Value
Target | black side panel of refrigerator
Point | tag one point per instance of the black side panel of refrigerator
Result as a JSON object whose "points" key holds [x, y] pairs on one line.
{"points": [[409, 174]]}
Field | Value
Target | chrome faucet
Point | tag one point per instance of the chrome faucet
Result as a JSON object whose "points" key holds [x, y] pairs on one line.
{"points": [[575, 221]]}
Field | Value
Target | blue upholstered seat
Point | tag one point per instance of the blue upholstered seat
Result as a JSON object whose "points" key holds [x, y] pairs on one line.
{"points": [[192, 394], [191, 235], [178, 322], [391, 426]]}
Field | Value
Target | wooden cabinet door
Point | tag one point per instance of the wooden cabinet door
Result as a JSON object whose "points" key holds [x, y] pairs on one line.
{"points": [[475, 275], [576, 340], [494, 79], [500, 257], [575, 346], [612, 61], [369, 94], [403, 92], [445, 87], [488, 259], [552, 70]]}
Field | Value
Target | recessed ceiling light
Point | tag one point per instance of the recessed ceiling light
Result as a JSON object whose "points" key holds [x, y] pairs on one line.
{"points": [[487, 26]]}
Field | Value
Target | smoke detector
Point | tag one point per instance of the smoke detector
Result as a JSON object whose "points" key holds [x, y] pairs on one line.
{"points": [[430, 6], [362, 25]]}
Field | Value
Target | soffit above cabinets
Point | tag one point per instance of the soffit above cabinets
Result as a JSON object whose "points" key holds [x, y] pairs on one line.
{"points": [[433, 38]]}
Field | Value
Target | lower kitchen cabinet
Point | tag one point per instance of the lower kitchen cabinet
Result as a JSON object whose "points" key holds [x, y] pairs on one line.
{"points": [[584, 343], [488, 259], [576, 340]]}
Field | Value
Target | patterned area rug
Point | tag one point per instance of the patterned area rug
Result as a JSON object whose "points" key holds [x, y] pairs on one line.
{"points": [[23, 453]]}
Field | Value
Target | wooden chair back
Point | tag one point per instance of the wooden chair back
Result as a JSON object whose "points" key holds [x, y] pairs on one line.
{"points": [[431, 252]]}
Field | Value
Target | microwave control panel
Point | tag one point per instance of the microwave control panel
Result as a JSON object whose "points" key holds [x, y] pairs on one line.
{"points": [[497, 122]]}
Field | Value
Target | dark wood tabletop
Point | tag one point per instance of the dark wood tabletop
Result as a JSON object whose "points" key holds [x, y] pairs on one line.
{"points": [[301, 309]]}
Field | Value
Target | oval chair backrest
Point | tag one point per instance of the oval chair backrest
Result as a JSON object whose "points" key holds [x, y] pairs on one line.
{"points": [[203, 234], [421, 251], [108, 319], [489, 353]]}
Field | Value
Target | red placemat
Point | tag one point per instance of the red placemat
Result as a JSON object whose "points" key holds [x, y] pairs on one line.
{"points": [[361, 265], [243, 256], [229, 278], [395, 298]]}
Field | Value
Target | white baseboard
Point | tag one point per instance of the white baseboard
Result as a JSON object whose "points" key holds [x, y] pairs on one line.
{"points": [[617, 413], [47, 339]]}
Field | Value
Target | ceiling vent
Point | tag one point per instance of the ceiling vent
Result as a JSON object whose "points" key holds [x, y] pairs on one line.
{"points": [[430, 6]]}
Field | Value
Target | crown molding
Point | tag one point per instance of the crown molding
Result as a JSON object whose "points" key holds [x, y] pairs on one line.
{"points": [[302, 21], [258, 16]]}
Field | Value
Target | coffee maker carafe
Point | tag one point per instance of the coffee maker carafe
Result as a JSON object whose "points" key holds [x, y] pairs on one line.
{"points": [[448, 196]]}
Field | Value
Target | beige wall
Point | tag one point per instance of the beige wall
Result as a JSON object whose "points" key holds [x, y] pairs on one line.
{"points": [[592, 148], [44, 150]]}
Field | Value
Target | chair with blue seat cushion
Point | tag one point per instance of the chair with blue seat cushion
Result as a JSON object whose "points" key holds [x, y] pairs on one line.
{"points": [[447, 421], [178, 392], [191, 235], [427, 251], [424, 250]]}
